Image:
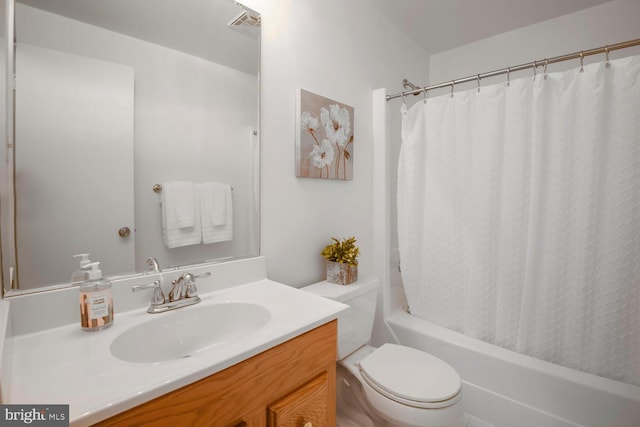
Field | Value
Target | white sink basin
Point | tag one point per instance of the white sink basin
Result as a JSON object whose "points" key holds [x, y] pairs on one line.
{"points": [[183, 332]]}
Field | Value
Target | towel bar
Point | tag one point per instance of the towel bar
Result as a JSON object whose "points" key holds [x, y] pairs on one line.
{"points": [[157, 188]]}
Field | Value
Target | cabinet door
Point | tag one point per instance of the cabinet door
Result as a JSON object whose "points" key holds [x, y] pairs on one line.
{"points": [[307, 406]]}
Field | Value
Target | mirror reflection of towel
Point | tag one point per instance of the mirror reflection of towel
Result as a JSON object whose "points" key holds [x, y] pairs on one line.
{"points": [[180, 214], [216, 215]]}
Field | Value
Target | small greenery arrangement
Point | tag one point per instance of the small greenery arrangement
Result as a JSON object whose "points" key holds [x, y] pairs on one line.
{"points": [[343, 251]]}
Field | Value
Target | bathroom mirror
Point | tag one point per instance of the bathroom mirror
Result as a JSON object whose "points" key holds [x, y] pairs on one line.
{"points": [[113, 99]]}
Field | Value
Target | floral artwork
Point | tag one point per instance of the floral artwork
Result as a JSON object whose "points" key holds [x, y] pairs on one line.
{"points": [[324, 147]]}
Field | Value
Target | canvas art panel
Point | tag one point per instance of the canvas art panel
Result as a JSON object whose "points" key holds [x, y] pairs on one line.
{"points": [[324, 138]]}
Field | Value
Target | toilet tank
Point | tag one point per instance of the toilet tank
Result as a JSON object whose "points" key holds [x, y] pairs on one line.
{"points": [[356, 323]]}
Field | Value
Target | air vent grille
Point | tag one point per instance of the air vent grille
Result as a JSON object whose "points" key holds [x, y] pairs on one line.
{"points": [[246, 19]]}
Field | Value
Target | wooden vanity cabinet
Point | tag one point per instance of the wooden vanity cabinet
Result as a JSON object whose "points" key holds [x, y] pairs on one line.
{"points": [[290, 385], [306, 407]]}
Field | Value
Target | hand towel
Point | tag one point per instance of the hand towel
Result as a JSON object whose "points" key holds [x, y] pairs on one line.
{"points": [[216, 215], [180, 214], [182, 195]]}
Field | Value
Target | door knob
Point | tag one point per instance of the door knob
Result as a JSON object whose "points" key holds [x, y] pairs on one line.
{"points": [[124, 232]]}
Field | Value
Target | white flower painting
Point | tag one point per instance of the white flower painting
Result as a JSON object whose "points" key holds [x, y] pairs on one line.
{"points": [[324, 144]]}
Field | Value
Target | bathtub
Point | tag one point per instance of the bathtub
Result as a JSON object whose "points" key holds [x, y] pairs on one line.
{"points": [[508, 389]]}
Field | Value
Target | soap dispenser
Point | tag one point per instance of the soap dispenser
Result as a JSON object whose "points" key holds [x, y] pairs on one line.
{"points": [[80, 275], [96, 303]]}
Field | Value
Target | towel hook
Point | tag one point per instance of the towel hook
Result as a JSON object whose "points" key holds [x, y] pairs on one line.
{"points": [[478, 81], [453, 84], [581, 61], [607, 64]]}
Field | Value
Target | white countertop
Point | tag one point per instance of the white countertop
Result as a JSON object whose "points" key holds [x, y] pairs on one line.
{"points": [[67, 365]]}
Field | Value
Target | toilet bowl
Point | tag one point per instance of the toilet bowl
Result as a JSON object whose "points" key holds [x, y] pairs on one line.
{"points": [[392, 385]]}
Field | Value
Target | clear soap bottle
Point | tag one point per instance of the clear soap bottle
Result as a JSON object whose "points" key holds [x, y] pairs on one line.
{"points": [[80, 275], [96, 302]]}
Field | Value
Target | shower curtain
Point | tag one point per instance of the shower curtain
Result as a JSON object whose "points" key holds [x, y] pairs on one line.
{"points": [[519, 215]]}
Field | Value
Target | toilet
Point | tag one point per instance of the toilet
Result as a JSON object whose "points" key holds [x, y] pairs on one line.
{"points": [[392, 385]]}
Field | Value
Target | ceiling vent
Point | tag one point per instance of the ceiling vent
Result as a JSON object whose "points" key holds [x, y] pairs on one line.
{"points": [[248, 20]]}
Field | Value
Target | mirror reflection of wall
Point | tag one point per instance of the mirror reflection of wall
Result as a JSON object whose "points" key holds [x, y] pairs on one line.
{"points": [[74, 169], [192, 119]]}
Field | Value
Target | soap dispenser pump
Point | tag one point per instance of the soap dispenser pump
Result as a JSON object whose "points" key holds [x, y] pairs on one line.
{"points": [[96, 302], [80, 275]]}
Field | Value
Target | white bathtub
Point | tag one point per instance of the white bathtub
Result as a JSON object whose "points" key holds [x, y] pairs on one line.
{"points": [[509, 389]]}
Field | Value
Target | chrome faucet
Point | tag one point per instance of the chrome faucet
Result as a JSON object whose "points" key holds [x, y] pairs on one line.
{"points": [[152, 266], [185, 287], [179, 289], [183, 293], [158, 295]]}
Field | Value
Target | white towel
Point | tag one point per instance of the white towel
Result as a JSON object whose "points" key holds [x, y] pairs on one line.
{"points": [[180, 214], [182, 194], [216, 205]]}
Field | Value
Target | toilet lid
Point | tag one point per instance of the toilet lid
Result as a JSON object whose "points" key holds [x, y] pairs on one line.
{"points": [[410, 375]]}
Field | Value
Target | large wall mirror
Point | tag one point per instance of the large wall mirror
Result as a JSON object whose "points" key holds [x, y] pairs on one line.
{"points": [[118, 104]]}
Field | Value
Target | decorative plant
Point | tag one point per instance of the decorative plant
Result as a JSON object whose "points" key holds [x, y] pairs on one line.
{"points": [[343, 251]]}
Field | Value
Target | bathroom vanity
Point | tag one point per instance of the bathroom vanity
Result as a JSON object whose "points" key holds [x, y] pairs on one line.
{"points": [[292, 384], [252, 353]]}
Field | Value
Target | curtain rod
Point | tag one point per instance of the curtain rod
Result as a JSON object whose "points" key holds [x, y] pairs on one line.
{"points": [[540, 63]]}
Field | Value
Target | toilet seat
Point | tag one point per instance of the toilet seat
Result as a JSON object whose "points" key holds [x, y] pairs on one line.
{"points": [[411, 377]]}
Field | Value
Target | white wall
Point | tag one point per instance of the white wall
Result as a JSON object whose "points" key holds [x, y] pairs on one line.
{"points": [[342, 50], [192, 121], [608, 23]]}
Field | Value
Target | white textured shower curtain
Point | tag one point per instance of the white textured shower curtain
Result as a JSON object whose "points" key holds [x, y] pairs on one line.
{"points": [[519, 216]]}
